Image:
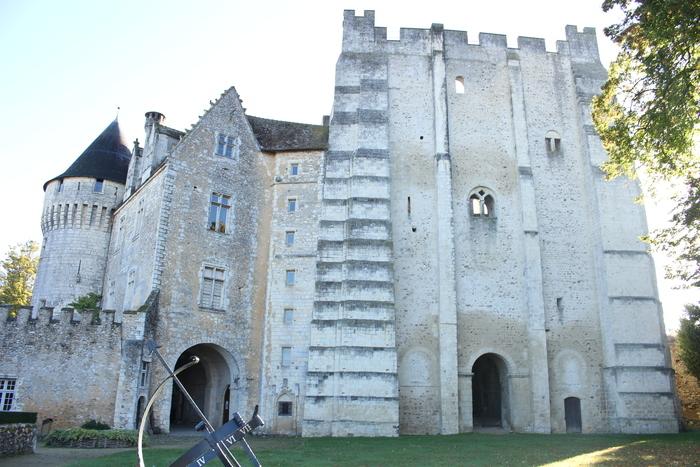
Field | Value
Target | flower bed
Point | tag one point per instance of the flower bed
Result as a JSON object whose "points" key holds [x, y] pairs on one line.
{"points": [[84, 438]]}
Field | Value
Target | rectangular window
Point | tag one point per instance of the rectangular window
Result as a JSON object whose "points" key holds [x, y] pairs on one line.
{"points": [[294, 168], [60, 186], [289, 238], [227, 146], [212, 288], [284, 409], [286, 356], [291, 205], [219, 206], [7, 393], [99, 185], [290, 277], [144, 374], [288, 315]]}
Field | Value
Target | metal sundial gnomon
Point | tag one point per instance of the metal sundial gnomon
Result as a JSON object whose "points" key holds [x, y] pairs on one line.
{"points": [[216, 442]]}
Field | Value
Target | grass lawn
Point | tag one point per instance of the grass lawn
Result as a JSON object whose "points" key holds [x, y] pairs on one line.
{"points": [[466, 449]]}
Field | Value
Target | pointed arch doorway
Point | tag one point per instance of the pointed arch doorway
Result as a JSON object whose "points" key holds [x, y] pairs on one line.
{"points": [[210, 383]]}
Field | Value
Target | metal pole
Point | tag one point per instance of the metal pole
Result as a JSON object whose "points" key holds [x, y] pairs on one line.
{"points": [[139, 445], [229, 462]]}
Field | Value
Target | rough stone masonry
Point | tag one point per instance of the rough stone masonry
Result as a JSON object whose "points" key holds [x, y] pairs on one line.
{"points": [[441, 255]]}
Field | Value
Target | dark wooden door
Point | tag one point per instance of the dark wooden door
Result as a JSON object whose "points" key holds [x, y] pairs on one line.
{"points": [[572, 414]]}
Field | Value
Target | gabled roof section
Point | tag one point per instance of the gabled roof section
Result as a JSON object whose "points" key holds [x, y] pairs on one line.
{"points": [[106, 158], [276, 135]]}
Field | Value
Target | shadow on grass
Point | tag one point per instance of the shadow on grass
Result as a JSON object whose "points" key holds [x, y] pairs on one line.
{"points": [[465, 449]]}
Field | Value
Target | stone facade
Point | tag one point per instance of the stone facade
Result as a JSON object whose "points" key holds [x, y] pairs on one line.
{"points": [[441, 255]]}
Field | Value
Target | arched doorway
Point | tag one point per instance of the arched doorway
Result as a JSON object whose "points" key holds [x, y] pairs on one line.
{"points": [[572, 414], [489, 394], [208, 382]]}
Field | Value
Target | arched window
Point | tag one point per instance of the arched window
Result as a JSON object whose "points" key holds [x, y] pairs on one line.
{"points": [[459, 85], [552, 142], [481, 203]]}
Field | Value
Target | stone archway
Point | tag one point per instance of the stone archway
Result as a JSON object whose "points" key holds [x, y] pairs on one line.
{"points": [[489, 391], [211, 384]]}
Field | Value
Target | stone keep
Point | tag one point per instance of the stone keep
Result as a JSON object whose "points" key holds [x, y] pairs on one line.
{"points": [[442, 254]]}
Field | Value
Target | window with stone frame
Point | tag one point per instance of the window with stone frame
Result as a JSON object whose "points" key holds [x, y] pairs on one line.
{"points": [[289, 237], [288, 317], [284, 408], [290, 277], [144, 375], [212, 288], [286, 356], [294, 169], [292, 205], [552, 142], [481, 203], [227, 146], [99, 185], [7, 393], [219, 206]]}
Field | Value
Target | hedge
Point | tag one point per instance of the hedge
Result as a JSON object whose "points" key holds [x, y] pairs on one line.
{"points": [[7, 418], [84, 438]]}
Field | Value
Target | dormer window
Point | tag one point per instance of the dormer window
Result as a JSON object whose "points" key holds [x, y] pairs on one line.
{"points": [[99, 186], [481, 203], [227, 146]]}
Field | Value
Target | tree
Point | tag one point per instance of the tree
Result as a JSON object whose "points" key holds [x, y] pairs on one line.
{"points": [[17, 273], [689, 340], [648, 113]]}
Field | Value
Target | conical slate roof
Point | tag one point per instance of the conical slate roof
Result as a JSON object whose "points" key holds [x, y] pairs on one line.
{"points": [[106, 158]]}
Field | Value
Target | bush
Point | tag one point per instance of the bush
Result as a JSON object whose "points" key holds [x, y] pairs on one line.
{"points": [[83, 438], [7, 418], [95, 425]]}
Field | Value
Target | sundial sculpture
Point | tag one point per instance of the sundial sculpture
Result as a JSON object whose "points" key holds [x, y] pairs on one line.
{"points": [[216, 443]]}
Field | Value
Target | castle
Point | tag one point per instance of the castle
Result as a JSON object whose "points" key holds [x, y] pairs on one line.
{"points": [[440, 255]]}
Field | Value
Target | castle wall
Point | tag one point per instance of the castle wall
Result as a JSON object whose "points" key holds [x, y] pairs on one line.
{"points": [[241, 252], [282, 381], [76, 224], [133, 247], [65, 362]]}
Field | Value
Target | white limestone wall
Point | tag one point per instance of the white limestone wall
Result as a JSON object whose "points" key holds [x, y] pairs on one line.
{"points": [[281, 382], [76, 225], [194, 172], [129, 277]]}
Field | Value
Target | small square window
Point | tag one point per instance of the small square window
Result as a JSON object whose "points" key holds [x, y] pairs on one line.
{"points": [[294, 168], [99, 185], [288, 315], [286, 356], [290, 277], [284, 409], [291, 205], [289, 237]]}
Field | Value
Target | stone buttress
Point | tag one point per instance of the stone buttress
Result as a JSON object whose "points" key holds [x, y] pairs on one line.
{"points": [[352, 384]]}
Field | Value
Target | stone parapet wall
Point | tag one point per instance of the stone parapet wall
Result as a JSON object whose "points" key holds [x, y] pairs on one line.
{"points": [[65, 362], [17, 438]]}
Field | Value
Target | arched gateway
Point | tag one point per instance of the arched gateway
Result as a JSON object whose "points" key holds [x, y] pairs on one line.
{"points": [[489, 391], [212, 383]]}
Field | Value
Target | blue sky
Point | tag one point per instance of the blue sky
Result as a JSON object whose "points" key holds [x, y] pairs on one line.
{"points": [[68, 64]]}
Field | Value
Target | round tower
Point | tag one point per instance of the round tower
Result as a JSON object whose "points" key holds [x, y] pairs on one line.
{"points": [[76, 221]]}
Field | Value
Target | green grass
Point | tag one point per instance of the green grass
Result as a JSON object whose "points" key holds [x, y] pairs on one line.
{"points": [[466, 449]]}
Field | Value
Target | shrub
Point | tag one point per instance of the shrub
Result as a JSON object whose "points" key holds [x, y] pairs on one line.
{"points": [[84, 438], [7, 418], [95, 425]]}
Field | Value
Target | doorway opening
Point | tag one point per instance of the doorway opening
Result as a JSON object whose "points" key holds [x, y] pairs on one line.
{"points": [[572, 414], [209, 385], [489, 395]]}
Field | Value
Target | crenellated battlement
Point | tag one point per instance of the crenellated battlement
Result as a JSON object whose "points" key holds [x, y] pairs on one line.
{"points": [[12, 318], [361, 35]]}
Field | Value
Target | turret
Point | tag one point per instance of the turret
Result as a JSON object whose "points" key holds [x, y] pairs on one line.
{"points": [[76, 221]]}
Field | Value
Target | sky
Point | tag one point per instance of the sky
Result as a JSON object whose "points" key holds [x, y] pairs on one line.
{"points": [[68, 65]]}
